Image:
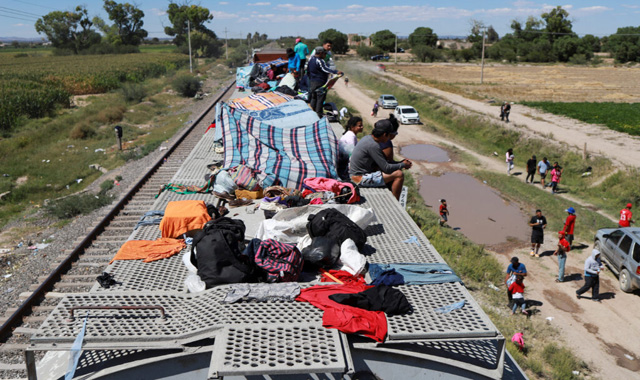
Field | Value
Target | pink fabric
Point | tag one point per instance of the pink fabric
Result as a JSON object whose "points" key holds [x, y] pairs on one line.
{"points": [[518, 340], [555, 175], [316, 201], [328, 184]]}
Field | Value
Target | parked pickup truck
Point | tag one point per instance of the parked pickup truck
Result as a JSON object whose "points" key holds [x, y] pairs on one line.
{"points": [[620, 249]]}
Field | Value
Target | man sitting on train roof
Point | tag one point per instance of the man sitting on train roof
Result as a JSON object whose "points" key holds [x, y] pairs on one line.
{"points": [[368, 166]]}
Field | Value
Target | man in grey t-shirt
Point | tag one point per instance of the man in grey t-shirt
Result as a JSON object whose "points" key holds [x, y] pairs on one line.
{"points": [[368, 166]]}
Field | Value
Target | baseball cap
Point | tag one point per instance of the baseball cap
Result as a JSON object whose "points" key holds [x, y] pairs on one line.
{"points": [[561, 232], [629, 205], [570, 210], [319, 50], [515, 259], [383, 126], [298, 40]]}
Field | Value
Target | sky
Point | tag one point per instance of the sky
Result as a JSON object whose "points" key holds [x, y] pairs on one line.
{"points": [[308, 18]]}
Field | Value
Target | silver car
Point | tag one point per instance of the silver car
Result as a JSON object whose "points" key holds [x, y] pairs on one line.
{"points": [[620, 249], [387, 101]]}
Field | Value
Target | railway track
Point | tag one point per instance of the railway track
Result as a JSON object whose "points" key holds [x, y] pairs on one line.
{"points": [[76, 270]]}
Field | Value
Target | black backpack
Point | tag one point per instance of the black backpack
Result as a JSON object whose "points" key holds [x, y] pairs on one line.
{"points": [[218, 253], [334, 224]]}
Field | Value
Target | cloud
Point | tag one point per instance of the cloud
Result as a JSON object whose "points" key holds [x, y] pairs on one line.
{"points": [[297, 8], [259, 4], [597, 8], [17, 25], [223, 15], [158, 12], [223, 3], [523, 3], [355, 6], [631, 6]]}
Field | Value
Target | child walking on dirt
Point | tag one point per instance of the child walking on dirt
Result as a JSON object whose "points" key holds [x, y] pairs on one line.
{"points": [[509, 160], [517, 295], [444, 212], [374, 111]]}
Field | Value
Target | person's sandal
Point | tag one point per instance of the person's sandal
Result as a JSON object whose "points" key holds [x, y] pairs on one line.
{"points": [[240, 202], [225, 196]]}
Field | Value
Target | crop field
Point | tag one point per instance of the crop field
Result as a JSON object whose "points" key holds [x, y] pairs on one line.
{"points": [[550, 83], [33, 86]]}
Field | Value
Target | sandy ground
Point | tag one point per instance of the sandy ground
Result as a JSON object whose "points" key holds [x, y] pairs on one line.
{"points": [[599, 333], [623, 149]]}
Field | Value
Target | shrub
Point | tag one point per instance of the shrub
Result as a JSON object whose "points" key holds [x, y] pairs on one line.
{"points": [[106, 186], [133, 92], [186, 85], [367, 51], [77, 205], [82, 131], [111, 114], [578, 59]]}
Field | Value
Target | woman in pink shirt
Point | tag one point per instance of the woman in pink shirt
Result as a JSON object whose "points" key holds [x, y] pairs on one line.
{"points": [[556, 173]]}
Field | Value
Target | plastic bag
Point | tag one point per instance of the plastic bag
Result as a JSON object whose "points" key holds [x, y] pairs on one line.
{"points": [[224, 183], [194, 283], [323, 252], [352, 261]]}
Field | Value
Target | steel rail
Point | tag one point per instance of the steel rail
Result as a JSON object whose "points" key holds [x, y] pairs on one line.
{"points": [[25, 308]]}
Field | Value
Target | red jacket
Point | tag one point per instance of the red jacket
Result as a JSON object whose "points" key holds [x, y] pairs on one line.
{"points": [[569, 224]]}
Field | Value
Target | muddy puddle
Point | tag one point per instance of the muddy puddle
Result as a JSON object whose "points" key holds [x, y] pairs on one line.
{"points": [[476, 209], [624, 357], [424, 152]]}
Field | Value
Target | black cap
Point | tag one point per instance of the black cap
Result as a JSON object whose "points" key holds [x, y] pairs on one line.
{"points": [[514, 259], [383, 126]]}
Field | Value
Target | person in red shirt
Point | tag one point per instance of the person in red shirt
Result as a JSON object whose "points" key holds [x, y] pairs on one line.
{"points": [[569, 224], [444, 212], [561, 252], [625, 216], [517, 294]]}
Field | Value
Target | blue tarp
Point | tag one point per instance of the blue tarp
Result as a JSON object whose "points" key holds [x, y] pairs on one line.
{"points": [[242, 76]]}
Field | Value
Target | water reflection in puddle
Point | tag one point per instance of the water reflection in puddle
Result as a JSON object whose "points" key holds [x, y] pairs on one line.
{"points": [[425, 152], [477, 209]]}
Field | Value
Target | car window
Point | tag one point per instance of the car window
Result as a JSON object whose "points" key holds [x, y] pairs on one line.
{"points": [[410, 110], [615, 236], [636, 252], [625, 244], [399, 110]]}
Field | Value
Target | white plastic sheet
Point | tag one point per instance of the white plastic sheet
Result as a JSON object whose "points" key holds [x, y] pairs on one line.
{"points": [[351, 259]]}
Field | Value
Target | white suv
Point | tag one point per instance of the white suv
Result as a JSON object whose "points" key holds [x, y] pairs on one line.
{"points": [[407, 115]]}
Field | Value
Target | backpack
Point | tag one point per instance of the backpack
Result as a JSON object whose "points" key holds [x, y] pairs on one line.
{"points": [[217, 255], [280, 262], [334, 224]]}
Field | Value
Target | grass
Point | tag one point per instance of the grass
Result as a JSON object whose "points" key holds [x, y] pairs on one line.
{"points": [[485, 137], [622, 117], [53, 158]]}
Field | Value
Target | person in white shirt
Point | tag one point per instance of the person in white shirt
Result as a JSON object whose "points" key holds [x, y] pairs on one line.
{"points": [[346, 144]]}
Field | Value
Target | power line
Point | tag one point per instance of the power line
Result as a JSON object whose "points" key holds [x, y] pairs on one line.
{"points": [[17, 11], [15, 18], [35, 5]]}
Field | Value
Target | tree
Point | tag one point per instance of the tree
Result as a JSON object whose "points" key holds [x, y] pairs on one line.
{"points": [[263, 37], [492, 35], [180, 14], [476, 31], [591, 42], [425, 53], [423, 36], [340, 41], [557, 23], [384, 39], [625, 44], [127, 21], [68, 30], [565, 47]]}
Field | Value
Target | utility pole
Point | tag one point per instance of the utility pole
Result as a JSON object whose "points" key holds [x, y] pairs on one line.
{"points": [[396, 53], [189, 36], [226, 44], [482, 68]]}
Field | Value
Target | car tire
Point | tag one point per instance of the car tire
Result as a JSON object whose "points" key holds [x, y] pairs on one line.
{"points": [[625, 280]]}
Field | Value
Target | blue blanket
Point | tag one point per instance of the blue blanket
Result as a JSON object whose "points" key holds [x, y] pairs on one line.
{"points": [[242, 76], [281, 156], [295, 113], [416, 274]]}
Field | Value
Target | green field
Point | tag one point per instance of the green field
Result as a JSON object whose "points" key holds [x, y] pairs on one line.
{"points": [[33, 86], [622, 117]]}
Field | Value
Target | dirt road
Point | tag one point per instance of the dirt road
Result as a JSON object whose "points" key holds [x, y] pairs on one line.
{"points": [[603, 334]]}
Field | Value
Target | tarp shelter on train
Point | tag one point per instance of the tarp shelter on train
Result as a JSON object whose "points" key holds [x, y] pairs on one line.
{"points": [[281, 155]]}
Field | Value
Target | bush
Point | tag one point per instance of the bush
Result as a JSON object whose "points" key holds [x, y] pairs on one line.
{"points": [[106, 186], [82, 131], [367, 51], [578, 59], [111, 114], [186, 85], [426, 54], [77, 205], [133, 92]]}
